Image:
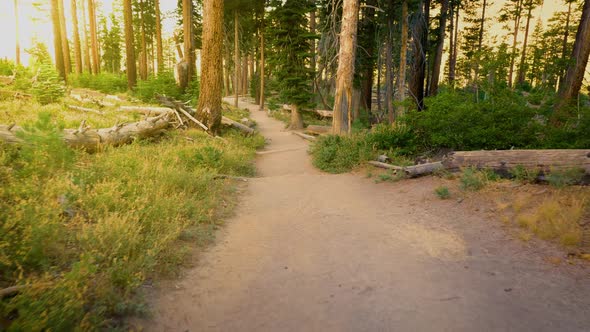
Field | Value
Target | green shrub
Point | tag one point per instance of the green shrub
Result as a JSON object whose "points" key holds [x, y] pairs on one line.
{"points": [[442, 192], [103, 82], [339, 154], [49, 87], [473, 179], [163, 84], [564, 178], [398, 137], [524, 175]]}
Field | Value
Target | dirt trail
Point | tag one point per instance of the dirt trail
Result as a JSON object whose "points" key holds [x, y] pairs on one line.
{"points": [[309, 251]]}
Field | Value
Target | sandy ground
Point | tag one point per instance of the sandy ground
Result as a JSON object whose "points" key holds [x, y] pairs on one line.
{"points": [[309, 251]]}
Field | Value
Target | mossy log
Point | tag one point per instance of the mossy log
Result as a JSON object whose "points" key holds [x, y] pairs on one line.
{"points": [[93, 139]]}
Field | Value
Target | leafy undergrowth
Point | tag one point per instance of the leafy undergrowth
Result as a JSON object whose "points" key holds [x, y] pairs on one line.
{"points": [[84, 231]]}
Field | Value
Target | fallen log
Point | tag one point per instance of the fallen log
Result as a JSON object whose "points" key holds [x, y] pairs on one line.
{"points": [[93, 139], [145, 109], [324, 113], [84, 109], [235, 124], [304, 136], [411, 171], [318, 130], [503, 161]]}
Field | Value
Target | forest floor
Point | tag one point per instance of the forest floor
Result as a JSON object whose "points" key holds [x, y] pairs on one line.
{"points": [[309, 251]]}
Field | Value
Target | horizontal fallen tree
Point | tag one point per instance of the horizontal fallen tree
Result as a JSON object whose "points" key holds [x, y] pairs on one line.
{"points": [[93, 139], [543, 161], [318, 130], [322, 113], [502, 161]]}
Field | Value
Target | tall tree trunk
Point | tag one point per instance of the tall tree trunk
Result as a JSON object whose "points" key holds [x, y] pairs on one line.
{"points": [[209, 107], [401, 83], [368, 74], [341, 123], [17, 32], [419, 49], [453, 58], [59, 58], [439, 48], [521, 67], [251, 70], [227, 71], [77, 47], [64, 38], [262, 64], [579, 59], [187, 14], [565, 40], [514, 42], [129, 47], [312, 30], [451, 35], [86, 48], [93, 37], [159, 48], [389, 64], [236, 58], [479, 48], [143, 63]]}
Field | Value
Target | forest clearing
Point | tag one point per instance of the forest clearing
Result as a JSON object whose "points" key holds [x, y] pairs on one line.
{"points": [[288, 165]]}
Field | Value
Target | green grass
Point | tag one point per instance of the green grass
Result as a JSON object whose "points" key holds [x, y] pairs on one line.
{"points": [[84, 231], [442, 192]]}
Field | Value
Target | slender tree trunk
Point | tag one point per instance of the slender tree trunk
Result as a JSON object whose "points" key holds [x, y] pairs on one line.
{"points": [[419, 48], [565, 40], [521, 67], [159, 48], [453, 59], [439, 48], [312, 30], [86, 48], [368, 75], [129, 47], [451, 35], [187, 11], [251, 70], [514, 42], [341, 123], [59, 58], [575, 73], [77, 47], [227, 71], [479, 48], [17, 32], [94, 38], [401, 83], [209, 107], [379, 68], [262, 64], [143, 63], [236, 58], [389, 64], [64, 37]]}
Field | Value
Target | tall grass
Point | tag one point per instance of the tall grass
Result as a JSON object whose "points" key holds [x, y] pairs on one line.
{"points": [[83, 232]]}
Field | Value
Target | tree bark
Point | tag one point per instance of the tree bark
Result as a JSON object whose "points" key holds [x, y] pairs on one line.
{"points": [[209, 107], [296, 119], [188, 40], [17, 32], [453, 58], [64, 38], [159, 47], [236, 58], [129, 47], [143, 63], [368, 74], [565, 40], [93, 37], [262, 64], [77, 47], [575, 73], [401, 83], [439, 48], [521, 67], [341, 123], [58, 49], [86, 49], [514, 42], [389, 65], [419, 49], [312, 30], [505, 160]]}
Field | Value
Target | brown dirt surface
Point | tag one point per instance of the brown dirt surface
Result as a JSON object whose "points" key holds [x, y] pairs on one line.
{"points": [[309, 251]]}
